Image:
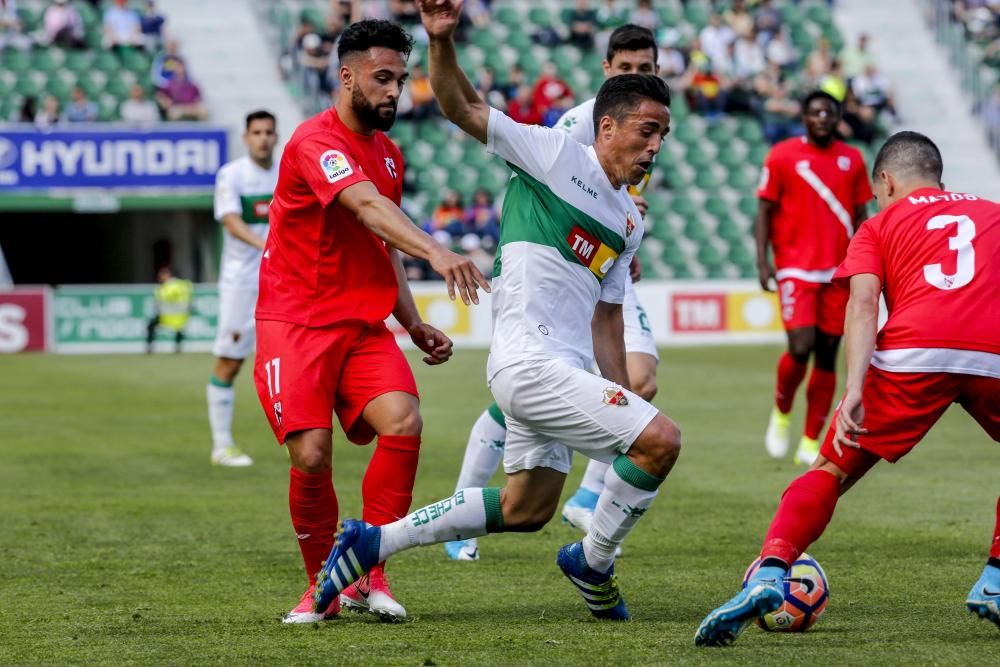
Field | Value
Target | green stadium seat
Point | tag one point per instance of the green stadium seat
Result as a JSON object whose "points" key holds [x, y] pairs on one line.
{"points": [[59, 87], [542, 17], [30, 84], [695, 229], [740, 180], [106, 61], [696, 13], [730, 231], [669, 15], [119, 87], [705, 179], [93, 82], [684, 207], [508, 15], [136, 61], [748, 206], [79, 61], [108, 105], [16, 61], [717, 207]]}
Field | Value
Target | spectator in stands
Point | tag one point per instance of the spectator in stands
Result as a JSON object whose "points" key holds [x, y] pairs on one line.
{"points": [[643, 15], [80, 109], [556, 111], [834, 83], [404, 11], [165, 64], [515, 79], [28, 110], [780, 51], [421, 95], [12, 28], [738, 18], [708, 90], [549, 88], [856, 58], [488, 89], [478, 12], [447, 220], [857, 122], [181, 98], [122, 27], [715, 40], [818, 62], [872, 90], [610, 15], [582, 24], [63, 25], [49, 114], [151, 24], [780, 117], [671, 58], [482, 218], [314, 62], [748, 57], [767, 21], [137, 110]]}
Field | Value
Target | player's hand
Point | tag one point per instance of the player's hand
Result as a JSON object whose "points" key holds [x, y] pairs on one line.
{"points": [[850, 417], [440, 17], [766, 273], [640, 203], [635, 269], [433, 342], [460, 274]]}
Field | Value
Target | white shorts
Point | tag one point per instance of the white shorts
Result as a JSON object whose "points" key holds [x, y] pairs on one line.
{"points": [[638, 334], [234, 338], [553, 409]]}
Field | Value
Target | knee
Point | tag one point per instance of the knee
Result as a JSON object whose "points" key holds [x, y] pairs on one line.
{"points": [[799, 349], [310, 451], [667, 436], [407, 422], [657, 449], [312, 460], [646, 387]]}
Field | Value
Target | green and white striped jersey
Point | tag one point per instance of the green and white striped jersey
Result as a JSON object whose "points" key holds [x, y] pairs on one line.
{"points": [[566, 239], [243, 188]]}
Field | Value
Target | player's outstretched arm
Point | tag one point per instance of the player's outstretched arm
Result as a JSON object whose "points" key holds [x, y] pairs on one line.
{"points": [[860, 329], [458, 99], [381, 215], [608, 330]]}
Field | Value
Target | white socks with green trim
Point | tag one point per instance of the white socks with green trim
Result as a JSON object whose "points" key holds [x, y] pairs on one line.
{"points": [[220, 413], [593, 476], [468, 513], [628, 493], [484, 450]]}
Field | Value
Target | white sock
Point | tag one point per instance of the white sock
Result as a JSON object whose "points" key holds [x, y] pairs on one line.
{"points": [[220, 415], [468, 513], [593, 476], [483, 452], [628, 493]]}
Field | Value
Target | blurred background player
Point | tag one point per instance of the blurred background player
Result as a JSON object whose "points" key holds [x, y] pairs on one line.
{"points": [[631, 50], [936, 257], [812, 196], [172, 299], [243, 192], [330, 275]]}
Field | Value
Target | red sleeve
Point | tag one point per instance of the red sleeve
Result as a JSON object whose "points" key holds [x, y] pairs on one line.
{"points": [[862, 188], [769, 187], [864, 255], [327, 166], [400, 169]]}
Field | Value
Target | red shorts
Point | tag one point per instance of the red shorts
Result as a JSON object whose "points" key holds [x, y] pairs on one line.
{"points": [[808, 304], [901, 407], [304, 374]]}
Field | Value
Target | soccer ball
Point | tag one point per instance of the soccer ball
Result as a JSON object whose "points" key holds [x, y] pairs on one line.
{"points": [[806, 595]]}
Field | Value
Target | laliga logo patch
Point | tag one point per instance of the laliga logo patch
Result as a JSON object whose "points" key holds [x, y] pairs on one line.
{"points": [[335, 166], [277, 412], [615, 396], [844, 163], [390, 164]]}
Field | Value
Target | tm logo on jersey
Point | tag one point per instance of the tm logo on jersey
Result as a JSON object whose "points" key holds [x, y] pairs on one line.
{"points": [[593, 254], [335, 166]]}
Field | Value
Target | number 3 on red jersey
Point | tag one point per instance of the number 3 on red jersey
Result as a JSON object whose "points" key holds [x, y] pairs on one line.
{"points": [[961, 242]]}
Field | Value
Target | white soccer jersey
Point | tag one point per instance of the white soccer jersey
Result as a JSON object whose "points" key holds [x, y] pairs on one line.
{"points": [[566, 239], [578, 122], [243, 188]]}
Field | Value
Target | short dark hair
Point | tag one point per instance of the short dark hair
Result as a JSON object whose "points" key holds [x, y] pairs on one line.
{"points": [[630, 37], [820, 95], [363, 35], [909, 155], [261, 114], [621, 94]]}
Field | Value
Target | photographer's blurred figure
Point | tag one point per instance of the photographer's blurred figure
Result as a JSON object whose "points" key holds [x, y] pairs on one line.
{"points": [[173, 307]]}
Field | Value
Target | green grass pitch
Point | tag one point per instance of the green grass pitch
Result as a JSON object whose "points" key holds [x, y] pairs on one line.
{"points": [[120, 544]]}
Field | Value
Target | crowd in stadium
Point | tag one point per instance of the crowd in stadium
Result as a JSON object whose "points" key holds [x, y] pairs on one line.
{"points": [[122, 31]]}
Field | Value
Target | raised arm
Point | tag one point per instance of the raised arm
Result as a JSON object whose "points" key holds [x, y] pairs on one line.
{"points": [[459, 101]]}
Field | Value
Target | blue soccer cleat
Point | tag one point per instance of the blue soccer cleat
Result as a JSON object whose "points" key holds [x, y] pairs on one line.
{"points": [[599, 589], [763, 594], [355, 551], [984, 598], [462, 549]]}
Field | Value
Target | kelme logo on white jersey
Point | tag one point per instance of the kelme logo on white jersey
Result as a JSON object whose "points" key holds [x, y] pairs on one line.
{"points": [[335, 166]]}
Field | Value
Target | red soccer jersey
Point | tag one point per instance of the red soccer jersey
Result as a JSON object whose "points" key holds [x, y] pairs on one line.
{"points": [[815, 191], [321, 265], [938, 257]]}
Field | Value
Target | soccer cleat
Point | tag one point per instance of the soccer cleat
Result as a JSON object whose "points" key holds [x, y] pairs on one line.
{"points": [[355, 551], [231, 457], [807, 452], [984, 598], [599, 589], [462, 549], [371, 594], [579, 510], [762, 594], [303, 611], [776, 438]]}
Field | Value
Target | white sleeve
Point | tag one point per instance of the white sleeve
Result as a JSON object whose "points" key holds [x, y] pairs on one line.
{"points": [[532, 148], [227, 194], [614, 283], [576, 127]]}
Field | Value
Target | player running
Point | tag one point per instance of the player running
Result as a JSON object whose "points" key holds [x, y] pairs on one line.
{"points": [[243, 191], [631, 50], [568, 233], [936, 257], [813, 194], [331, 274]]}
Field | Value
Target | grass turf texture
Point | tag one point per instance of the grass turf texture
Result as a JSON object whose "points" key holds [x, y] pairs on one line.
{"points": [[120, 544]]}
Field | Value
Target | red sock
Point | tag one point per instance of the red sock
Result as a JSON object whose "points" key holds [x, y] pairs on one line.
{"points": [[995, 546], [803, 513], [313, 505], [790, 374], [819, 398], [387, 489]]}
